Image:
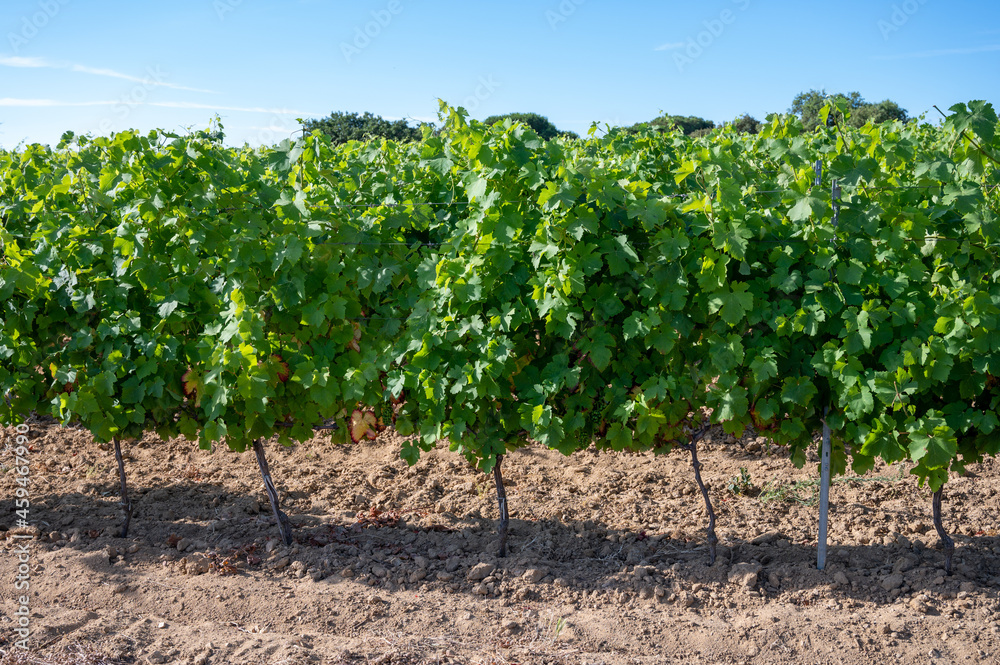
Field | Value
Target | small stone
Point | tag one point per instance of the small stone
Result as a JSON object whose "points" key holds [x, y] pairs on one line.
{"points": [[534, 575], [512, 627], [162, 624], [934, 653], [893, 581], [481, 571], [774, 580], [453, 564], [646, 592], [379, 571], [133, 548], [417, 575], [967, 587], [298, 565], [196, 565], [686, 599], [375, 600], [269, 547], [904, 564], [480, 590], [281, 563], [840, 578], [156, 658], [659, 591], [745, 574], [766, 538], [347, 573], [183, 544], [643, 571], [445, 577], [421, 561]]}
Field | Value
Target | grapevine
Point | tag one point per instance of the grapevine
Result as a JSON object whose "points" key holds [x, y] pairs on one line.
{"points": [[491, 289]]}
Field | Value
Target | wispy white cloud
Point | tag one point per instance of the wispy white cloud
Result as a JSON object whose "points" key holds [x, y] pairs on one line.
{"points": [[937, 53], [36, 103], [15, 61], [239, 109], [54, 103], [670, 46], [153, 80]]}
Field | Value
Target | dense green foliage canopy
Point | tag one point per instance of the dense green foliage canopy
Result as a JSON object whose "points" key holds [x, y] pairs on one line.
{"points": [[491, 288], [539, 123], [808, 105], [343, 127]]}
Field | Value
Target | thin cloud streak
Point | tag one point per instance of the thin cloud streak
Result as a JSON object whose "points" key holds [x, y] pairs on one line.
{"points": [[240, 109], [53, 103], [17, 61], [42, 63], [50, 103], [989, 48]]}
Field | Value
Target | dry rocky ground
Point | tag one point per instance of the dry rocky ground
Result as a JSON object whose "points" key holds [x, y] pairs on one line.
{"points": [[393, 564]]}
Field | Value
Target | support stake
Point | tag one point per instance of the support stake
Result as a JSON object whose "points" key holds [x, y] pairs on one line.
{"points": [[284, 524], [502, 503], [711, 539], [126, 504], [946, 542], [824, 494], [824, 468]]}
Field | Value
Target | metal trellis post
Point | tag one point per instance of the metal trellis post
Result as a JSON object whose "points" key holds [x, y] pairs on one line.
{"points": [[824, 482]]}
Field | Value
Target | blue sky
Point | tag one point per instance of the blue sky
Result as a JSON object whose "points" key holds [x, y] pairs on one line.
{"points": [[102, 66]]}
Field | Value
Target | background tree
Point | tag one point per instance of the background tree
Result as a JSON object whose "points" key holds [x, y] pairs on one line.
{"points": [[689, 124], [884, 111], [807, 106], [746, 124], [539, 123], [342, 127]]}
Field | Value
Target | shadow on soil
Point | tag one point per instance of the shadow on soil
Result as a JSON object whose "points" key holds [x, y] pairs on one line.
{"points": [[236, 534]]}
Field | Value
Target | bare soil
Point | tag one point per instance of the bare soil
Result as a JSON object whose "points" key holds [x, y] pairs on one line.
{"points": [[391, 564]]}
